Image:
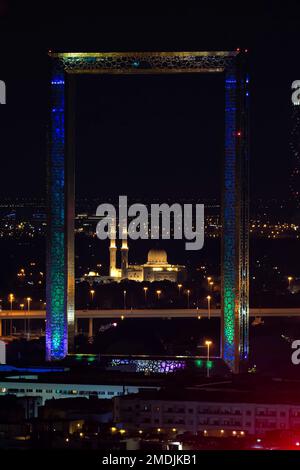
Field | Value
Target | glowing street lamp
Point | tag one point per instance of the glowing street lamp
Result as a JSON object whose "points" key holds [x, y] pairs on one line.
{"points": [[290, 278], [22, 308], [124, 298], [188, 293], [92, 293], [179, 289], [211, 285], [208, 305], [145, 293], [208, 343], [158, 292], [11, 298], [29, 299]]}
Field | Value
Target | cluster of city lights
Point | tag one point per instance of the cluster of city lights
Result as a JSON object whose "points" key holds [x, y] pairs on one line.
{"points": [[274, 230], [156, 366]]}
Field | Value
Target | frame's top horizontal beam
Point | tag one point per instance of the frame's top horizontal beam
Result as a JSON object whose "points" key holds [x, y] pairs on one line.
{"points": [[143, 62], [83, 55]]}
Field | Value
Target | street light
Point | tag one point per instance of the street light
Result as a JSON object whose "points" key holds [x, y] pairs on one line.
{"points": [[188, 292], [145, 293], [158, 292], [208, 343], [124, 294], [22, 308], [29, 299], [208, 305], [11, 298], [290, 278], [92, 292], [179, 289], [211, 284]]}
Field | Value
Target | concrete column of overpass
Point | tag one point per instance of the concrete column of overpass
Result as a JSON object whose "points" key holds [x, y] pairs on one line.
{"points": [[90, 327]]}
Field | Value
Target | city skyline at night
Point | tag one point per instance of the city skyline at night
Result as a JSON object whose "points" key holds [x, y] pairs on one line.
{"points": [[149, 233]]}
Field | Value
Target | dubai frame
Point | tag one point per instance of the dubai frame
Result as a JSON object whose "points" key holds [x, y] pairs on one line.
{"points": [[60, 286]]}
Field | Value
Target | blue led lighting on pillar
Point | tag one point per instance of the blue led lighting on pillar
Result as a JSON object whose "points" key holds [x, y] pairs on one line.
{"points": [[56, 322], [235, 220], [229, 223]]}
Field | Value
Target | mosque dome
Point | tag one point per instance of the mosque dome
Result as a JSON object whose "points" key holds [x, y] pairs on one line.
{"points": [[156, 256]]}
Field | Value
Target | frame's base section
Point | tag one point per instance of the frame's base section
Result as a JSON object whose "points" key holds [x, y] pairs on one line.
{"points": [[237, 367]]}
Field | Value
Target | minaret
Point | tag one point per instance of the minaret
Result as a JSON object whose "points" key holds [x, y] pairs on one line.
{"points": [[124, 254], [113, 253]]}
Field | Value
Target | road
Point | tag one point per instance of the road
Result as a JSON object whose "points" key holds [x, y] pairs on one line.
{"points": [[150, 313]]}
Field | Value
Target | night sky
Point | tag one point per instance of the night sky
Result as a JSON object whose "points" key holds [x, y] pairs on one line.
{"points": [[141, 125], [150, 136]]}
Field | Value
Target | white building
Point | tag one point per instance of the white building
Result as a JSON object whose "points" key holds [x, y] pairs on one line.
{"points": [[32, 386]]}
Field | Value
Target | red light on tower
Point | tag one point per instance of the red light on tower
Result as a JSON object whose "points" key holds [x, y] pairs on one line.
{"points": [[239, 133]]}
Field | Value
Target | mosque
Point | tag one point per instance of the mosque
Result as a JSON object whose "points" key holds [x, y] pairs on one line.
{"points": [[157, 267]]}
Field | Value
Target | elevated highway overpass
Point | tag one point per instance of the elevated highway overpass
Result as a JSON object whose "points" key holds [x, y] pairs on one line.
{"points": [[8, 317], [148, 313]]}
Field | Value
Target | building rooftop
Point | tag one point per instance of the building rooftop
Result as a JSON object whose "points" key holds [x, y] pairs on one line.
{"points": [[269, 391], [84, 375], [82, 404]]}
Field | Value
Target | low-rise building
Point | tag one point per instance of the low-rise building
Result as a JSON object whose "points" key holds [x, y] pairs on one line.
{"points": [[210, 411], [68, 384]]}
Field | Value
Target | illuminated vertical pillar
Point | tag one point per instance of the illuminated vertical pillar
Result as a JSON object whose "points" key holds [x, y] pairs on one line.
{"points": [[60, 232], [124, 254], [70, 211], [235, 265], [244, 217], [112, 252]]}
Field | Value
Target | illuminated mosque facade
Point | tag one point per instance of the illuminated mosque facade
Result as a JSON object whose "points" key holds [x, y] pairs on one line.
{"points": [[156, 268]]}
